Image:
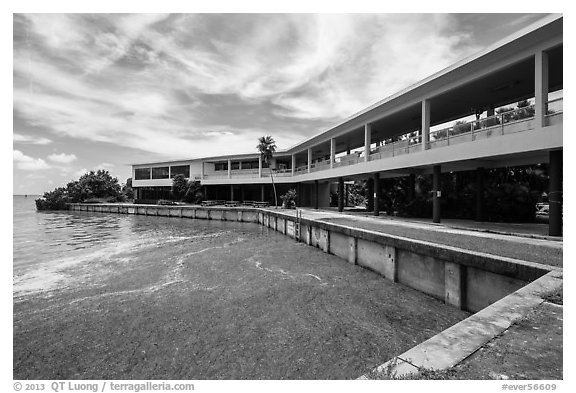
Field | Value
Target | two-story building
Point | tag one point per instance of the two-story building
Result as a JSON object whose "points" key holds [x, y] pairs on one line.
{"points": [[450, 121]]}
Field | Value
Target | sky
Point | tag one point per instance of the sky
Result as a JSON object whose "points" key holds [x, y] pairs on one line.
{"points": [[102, 91]]}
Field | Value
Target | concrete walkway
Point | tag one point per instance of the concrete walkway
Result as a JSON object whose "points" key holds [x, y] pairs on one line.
{"points": [[479, 238]]}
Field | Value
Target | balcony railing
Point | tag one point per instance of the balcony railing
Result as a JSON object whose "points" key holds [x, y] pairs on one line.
{"points": [[513, 121]]}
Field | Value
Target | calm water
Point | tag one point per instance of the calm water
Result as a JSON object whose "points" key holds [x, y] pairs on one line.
{"points": [[49, 246], [108, 296]]}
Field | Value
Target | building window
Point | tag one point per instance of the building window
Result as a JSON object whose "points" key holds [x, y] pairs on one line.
{"points": [[221, 166], [180, 170], [142, 174], [235, 165], [160, 172]]}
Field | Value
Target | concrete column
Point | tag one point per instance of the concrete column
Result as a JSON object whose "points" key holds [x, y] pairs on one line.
{"points": [[480, 195], [315, 194], [377, 193], [260, 166], [229, 169], [240, 165], [299, 195], [332, 152], [540, 87], [261, 192], [367, 140], [425, 124], [346, 186], [555, 220], [437, 194], [370, 195], [340, 194], [293, 164], [309, 159]]}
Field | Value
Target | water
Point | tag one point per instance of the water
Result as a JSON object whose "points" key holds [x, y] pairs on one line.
{"points": [[109, 296]]}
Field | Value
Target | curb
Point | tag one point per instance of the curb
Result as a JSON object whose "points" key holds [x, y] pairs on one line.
{"points": [[453, 345]]}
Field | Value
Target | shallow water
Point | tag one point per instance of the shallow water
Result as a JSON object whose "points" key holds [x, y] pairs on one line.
{"points": [[107, 296]]}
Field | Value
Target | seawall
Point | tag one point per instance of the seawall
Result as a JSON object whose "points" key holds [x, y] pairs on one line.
{"points": [[499, 290], [461, 278]]}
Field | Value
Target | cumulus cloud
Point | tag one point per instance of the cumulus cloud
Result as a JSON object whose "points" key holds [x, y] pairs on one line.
{"points": [[62, 158], [28, 163]]}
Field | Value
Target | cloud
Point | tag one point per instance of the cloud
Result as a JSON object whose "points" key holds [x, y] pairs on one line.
{"points": [[27, 163], [62, 158], [157, 83], [35, 140]]}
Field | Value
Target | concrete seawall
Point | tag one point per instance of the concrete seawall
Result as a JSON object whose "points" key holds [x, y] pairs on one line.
{"points": [[464, 279]]}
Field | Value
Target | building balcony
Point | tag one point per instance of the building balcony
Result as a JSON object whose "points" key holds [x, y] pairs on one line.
{"points": [[505, 123]]}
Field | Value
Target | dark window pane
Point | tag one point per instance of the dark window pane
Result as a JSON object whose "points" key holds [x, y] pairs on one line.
{"points": [[221, 166], [160, 173], [235, 165], [180, 170], [142, 173]]}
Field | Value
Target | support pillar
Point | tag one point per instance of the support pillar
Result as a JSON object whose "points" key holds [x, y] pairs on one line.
{"points": [[370, 195], [315, 194], [260, 165], [299, 195], [367, 140], [293, 164], [309, 160], [377, 194], [437, 194], [340, 194], [540, 87], [555, 219], [480, 195], [332, 152], [229, 169], [425, 132]]}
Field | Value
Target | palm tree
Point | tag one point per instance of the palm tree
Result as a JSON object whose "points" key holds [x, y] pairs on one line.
{"points": [[267, 148]]}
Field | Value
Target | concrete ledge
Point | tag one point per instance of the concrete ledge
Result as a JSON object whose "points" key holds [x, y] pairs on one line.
{"points": [[453, 345]]}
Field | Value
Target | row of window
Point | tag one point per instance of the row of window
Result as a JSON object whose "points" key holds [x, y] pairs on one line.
{"points": [[223, 166], [162, 172]]}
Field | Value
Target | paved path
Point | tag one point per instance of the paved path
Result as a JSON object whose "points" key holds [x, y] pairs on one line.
{"points": [[539, 250]]}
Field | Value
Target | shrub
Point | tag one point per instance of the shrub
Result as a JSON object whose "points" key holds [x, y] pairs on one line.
{"points": [[53, 200], [289, 199], [98, 186]]}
